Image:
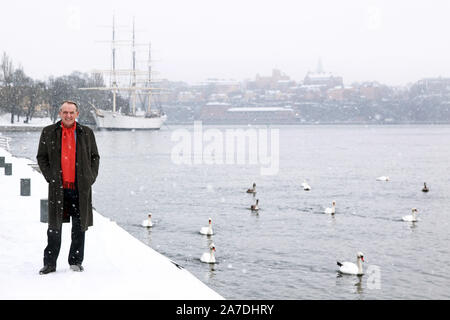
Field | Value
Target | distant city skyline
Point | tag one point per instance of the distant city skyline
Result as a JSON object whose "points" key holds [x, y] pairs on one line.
{"points": [[394, 43]]}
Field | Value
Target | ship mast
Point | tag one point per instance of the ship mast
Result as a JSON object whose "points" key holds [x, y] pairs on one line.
{"points": [[114, 84], [133, 85], [133, 73], [149, 76]]}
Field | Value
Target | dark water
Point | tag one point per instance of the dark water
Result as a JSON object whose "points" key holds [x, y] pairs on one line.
{"points": [[289, 250]]}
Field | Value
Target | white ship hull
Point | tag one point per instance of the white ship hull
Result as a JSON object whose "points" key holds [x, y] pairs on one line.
{"points": [[109, 120]]}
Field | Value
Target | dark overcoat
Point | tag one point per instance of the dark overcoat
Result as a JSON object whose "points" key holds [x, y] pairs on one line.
{"points": [[86, 167]]}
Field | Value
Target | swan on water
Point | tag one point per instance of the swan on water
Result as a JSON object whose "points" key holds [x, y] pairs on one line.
{"points": [[254, 207], [383, 178], [208, 257], [352, 268], [331, 210], [148, 222], [252, 190], [306, 186], [207, 230], [412, 217]]}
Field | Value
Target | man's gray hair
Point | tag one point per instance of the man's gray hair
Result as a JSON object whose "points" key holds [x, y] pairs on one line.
{"points": [[70, 102]]}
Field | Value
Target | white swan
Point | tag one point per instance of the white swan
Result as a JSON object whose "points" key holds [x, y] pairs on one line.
{"points": [[254, 207], [252, 190], [350, 267], [331, 210], [208, 257], [306, 186], [148, 222], [207, 230], [383, 178], [412, 217]]}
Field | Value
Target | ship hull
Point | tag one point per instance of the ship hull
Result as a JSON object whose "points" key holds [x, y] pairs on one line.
{"points": [[108, 120]]}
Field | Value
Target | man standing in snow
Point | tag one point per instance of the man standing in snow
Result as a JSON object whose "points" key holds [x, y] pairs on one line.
{"points": [[69, 161]]}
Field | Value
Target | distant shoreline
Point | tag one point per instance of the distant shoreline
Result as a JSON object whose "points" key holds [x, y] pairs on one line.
{"points": [[22, 128], [207, 123], [19, 128]]}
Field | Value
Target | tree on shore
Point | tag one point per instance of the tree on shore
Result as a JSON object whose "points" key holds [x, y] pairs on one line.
{"points": [[19, 97], [37, 95], [6, 80]]}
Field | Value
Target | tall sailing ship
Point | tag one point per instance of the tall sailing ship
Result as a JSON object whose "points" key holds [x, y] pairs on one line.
{"points": [[132, 120]]}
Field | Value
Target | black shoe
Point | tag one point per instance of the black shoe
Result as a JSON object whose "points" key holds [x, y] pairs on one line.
{"points": [[47, 269], [77, 267]]}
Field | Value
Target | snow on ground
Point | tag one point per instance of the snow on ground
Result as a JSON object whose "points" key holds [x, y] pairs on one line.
{"points": [[117, 266], [5, 120]]}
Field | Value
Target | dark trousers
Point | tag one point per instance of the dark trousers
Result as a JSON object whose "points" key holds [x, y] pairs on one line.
{"points": [[76, 253]]}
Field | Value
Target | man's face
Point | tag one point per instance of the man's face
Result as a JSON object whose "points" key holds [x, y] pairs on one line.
{"points": [[68, 114]]}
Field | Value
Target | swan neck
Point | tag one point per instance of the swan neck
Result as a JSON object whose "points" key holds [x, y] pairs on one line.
{"points": [[359, 264]]}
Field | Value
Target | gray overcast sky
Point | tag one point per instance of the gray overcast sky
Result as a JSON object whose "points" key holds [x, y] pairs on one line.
{"points": [[394, 42]]}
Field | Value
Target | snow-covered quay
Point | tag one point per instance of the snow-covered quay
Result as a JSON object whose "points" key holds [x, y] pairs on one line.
{"points": [[117, 266]]}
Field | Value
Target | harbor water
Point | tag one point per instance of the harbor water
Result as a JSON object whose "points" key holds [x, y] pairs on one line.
{"points": [[289, 249]]}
